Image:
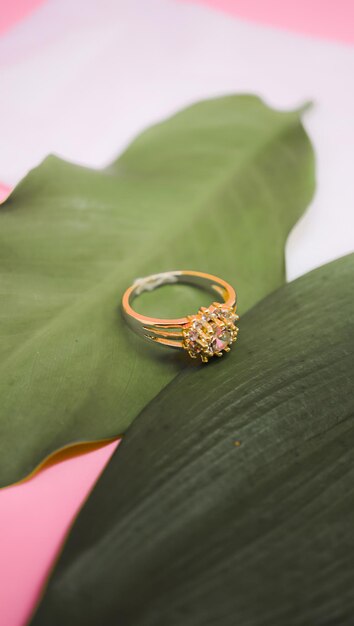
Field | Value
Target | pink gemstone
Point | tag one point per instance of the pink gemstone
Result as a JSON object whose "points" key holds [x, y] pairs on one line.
{"points": [[221, 339]]}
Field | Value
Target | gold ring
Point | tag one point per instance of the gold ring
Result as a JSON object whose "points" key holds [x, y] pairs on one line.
{"points": [[210, 332]]}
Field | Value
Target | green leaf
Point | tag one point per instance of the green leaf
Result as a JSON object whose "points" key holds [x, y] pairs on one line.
{"points": [[230, 500], [215, 188]]}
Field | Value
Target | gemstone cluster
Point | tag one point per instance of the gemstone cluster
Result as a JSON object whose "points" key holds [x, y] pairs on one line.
{"points": [[210, 332]]}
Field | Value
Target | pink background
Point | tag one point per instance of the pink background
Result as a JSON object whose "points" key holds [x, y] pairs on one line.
{"points": [[35, 515], [34, 518], [13, 12], [332, 19]]}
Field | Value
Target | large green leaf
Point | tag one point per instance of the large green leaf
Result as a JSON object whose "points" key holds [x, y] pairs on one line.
{"points": [[230, 500], [215, 188]]}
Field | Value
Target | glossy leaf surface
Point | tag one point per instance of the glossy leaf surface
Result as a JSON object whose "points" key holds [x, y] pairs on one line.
{"points": [[230, 500]]}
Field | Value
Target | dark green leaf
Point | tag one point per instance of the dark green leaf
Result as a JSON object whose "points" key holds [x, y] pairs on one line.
{"points": [[231, 500], [215, 188]]}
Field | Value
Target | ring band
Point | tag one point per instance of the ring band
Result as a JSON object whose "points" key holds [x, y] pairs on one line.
{"points": [[210, 332]]}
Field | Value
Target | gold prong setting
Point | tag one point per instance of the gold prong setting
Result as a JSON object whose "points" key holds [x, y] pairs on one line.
{"points": [[210, 332]]}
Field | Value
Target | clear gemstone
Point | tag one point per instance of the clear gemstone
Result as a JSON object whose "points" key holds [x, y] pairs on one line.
{"points": [[227, 314], [193, 335]]}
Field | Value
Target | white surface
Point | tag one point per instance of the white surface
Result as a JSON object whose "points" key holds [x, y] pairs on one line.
{"points": [[82, 78]]}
